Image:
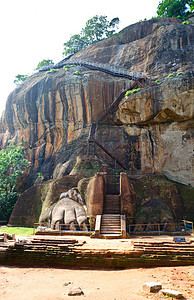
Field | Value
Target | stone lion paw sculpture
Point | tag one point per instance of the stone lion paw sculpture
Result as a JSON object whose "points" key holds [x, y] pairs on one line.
{"points": [[69, 210], [73, 194]]}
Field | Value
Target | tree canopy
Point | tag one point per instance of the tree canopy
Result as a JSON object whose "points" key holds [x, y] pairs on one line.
{"points": [[12, 165], [174, 8], [96, 29], [43, 63], [20, 78]]}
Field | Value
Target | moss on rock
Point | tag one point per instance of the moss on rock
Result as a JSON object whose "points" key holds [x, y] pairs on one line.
{"points": [[87, 166], [154, 186]]}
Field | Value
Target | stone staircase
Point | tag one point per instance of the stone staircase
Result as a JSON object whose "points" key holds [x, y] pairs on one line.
{"points": [[111, 204], [111, 225], [111, 218]]}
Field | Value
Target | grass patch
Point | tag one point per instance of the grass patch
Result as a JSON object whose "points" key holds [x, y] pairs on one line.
{"points": [[52, 71], [17, 230], [76, 73], [170, 75]]}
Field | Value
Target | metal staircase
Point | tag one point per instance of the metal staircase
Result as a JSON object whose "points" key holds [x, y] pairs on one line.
{"points": [[92, 140]]}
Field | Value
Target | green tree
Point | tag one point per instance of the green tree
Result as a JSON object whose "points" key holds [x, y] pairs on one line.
{"points": [[75, 44], [43, 63], [174, 8], [20, 78], [12, 165], [96, 29]]}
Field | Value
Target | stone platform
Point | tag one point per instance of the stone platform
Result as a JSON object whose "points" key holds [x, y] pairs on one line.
{"points": [[96, 253]]}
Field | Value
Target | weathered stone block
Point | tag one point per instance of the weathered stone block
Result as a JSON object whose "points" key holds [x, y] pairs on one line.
{"points": [[76, 291], [152, 286], [172, 293], [191, 272]]}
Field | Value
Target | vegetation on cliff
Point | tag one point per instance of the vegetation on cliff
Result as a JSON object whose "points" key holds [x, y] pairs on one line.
{"points": [[175, 8], [12, 165], [96, 29], [20, 78], [43, 63]]}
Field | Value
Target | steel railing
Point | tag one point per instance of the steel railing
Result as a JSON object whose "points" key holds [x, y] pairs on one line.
{"points": [[182, 226]]}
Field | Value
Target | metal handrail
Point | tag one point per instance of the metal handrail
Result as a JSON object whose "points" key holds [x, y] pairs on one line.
{"points": [[65, 227], [107, 68], [160, 227], [43, 224]]}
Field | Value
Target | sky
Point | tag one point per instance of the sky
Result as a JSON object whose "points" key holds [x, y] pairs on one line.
{"points": [[33, 30]]}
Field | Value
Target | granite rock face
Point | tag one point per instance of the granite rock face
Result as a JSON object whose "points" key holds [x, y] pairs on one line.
{"points": [[156, 47], [155, 127], [150, 131], [52, 114]]}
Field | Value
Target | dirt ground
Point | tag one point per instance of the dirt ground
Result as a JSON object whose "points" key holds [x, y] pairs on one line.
{"points": [[47, 284], [52, 283]]}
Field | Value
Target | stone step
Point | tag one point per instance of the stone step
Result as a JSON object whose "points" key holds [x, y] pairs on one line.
{"points": [[111, 201], [111, 224], [112, 198], [111, 216], [110, 231], [111, 205], [109, 221], [111, 210], [162, 244], [110, 227], [112, 235], [164, 247]]}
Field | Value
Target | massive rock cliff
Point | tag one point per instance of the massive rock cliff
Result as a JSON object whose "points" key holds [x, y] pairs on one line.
{"points": [[150, 131]]}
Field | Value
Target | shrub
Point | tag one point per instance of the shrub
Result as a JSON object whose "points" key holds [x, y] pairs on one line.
{"points": [[132, 92], [128, 93], [179, 73], [157, 80], [53, 70], [76, 73], [170, 75], [135, 90], [7, 204], [185, 22], [161, 27]]}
